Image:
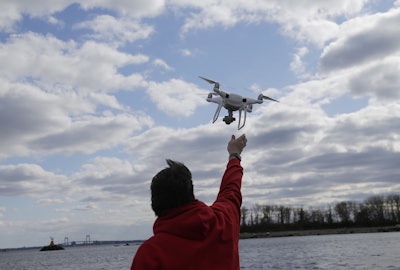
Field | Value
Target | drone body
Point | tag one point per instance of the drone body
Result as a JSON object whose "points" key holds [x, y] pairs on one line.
{"points": [[232, 102]]}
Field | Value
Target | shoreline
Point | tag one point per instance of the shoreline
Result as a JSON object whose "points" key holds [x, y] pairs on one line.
{"points": [[343, 230], [349, 230]]}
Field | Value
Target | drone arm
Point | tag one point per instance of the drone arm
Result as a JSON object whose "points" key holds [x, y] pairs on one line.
{"points": [[216, 84], [259, 100], [240, 124], [250, 101], [217, 112], [220, 92]]}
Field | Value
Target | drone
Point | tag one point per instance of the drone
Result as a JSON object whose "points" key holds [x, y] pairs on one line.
{"points": [[232, 102]]}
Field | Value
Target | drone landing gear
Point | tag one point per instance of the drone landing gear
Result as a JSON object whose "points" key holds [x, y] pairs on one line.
{"points": [[229, 118]]}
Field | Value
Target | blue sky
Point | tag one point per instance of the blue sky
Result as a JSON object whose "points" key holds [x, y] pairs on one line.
{"points": [[95, 95]]}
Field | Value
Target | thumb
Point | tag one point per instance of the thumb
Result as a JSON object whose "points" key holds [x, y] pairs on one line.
{"points": [[233, 137]]}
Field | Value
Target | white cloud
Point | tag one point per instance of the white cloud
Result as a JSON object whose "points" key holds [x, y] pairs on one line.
{"points": [[137, 8], [91, 134], [55, 21], [161, 63], [293, 140], [88, 207], [362, 130], [186, 52], [308, 20], [297, 64], [30, 180], [11, 11], [90, 67], [176, 97], [368, 38], [380, 80], [116, 31], [26, 113], [106, 171], [50, 201], [9, 14], [34, 121]]}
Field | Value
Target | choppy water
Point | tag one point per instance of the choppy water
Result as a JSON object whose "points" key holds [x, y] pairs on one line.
{"points": [[347, 251], [350, 251]]}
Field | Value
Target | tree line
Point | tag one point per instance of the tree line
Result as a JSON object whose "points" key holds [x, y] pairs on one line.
{"points": [[380, 210]]}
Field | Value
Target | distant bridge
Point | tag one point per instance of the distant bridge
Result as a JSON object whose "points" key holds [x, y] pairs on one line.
{"points": [[87, 241], [72, 243]]}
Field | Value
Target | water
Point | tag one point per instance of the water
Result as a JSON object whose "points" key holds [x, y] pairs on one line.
{"points": [[72, 258], [346, 251]]}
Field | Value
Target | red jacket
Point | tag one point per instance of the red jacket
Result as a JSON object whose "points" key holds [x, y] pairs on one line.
{"points": [[197, 236]]}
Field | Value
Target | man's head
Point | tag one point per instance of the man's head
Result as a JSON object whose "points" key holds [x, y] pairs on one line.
{"points": [[171, 187]]}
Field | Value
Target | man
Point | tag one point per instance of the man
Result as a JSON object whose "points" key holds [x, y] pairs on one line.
{"points": [[187, 233]]}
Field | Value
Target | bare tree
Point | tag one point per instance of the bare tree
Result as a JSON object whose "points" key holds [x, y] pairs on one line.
{"points": [[376, 209], [343, 211], [244, 211], [284, 214], [393, 202]]}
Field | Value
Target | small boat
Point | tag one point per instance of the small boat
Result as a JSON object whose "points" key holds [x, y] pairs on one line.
{"points": [[51, 246]]}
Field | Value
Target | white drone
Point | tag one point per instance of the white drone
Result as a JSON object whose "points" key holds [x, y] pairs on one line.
{"points": [[232, 102]]}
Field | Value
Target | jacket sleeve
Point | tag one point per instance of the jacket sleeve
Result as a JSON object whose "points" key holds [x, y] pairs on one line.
{"points": [[230, 197], [145, 258]]}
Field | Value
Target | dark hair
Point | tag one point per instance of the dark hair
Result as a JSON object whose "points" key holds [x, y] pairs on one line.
{"points": [[171, 187]]}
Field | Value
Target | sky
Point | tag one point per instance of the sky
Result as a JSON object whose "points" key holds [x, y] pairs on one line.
{"points": [[96, 94]]}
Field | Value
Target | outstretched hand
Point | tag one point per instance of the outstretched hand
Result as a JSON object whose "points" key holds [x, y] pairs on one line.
{"points": [[237, 145]]}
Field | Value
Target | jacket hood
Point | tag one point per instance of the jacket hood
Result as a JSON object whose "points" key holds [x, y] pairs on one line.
{"points": [[191, 221]]}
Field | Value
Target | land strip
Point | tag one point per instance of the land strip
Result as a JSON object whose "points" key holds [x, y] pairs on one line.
{"points": [[321, 232]]}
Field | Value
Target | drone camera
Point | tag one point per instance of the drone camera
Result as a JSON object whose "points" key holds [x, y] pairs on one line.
{"points": [[228, 119]]}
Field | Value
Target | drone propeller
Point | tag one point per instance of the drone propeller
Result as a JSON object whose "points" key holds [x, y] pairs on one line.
{"points": [[265, 97], [208, 80]]}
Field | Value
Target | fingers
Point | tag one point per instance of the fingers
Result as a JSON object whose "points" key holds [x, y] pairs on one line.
{"points": [[242, 139], [237, 144]]}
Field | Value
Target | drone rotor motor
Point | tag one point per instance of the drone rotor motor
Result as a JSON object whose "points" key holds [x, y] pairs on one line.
{"points": [[249, 108]]}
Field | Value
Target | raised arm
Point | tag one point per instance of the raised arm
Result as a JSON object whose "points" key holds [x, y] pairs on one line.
{"points": [[229, 198]]}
